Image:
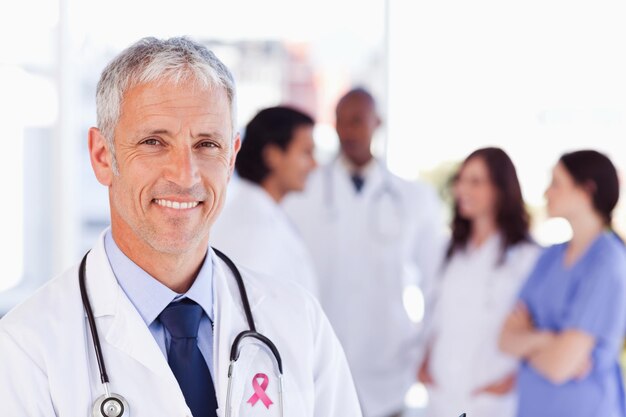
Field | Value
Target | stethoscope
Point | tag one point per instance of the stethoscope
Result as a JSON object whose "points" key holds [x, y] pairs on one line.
{"points": [[386, 198], [114, 405]]}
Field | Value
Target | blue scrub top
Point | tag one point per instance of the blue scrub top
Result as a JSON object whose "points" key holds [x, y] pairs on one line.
{"points": [[589, 296]]}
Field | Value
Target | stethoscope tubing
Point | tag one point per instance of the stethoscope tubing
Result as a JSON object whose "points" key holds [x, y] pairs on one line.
{"points": [[92, 323], [234, 353]]}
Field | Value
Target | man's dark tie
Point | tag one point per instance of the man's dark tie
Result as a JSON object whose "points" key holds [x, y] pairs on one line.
{"points": [[182, 319], [357, 181]]}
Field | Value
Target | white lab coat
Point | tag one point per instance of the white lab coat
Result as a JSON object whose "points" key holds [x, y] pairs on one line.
{"points": [[48, 367], [255, 232], [367, 248], [475, 296]]}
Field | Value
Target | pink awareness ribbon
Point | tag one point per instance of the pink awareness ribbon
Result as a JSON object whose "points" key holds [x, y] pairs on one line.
{"points": [[259, 391]]}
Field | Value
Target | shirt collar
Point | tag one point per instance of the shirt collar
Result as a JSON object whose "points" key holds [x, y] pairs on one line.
{"points": [[365, 171], [147, 294]]}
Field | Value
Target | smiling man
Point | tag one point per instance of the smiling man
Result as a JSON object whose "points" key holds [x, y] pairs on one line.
{"points": [[145, 325]]}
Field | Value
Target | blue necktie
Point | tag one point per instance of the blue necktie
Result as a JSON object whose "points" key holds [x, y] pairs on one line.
{"points": [[358, 181], [182, 319]]}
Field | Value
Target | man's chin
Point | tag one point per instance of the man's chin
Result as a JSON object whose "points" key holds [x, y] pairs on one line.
{"points": [[176, 244]]}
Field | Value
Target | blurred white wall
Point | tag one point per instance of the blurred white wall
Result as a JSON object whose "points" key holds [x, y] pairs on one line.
{"points": [[53, 51], [536, 78]]}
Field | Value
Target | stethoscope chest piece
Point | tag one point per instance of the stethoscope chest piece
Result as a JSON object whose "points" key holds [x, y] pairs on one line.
{"points": [[112, 405]]}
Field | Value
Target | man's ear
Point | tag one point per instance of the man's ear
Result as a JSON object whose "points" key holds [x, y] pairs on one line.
{"points": [[233, 156], [101, 157]]}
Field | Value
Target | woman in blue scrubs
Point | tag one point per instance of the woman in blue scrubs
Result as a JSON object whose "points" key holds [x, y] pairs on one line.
{"points": [[568, 326]]}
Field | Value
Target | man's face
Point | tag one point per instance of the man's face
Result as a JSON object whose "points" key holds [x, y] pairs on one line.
{"points": [[293, 165], [356, 122], [175, 152]]}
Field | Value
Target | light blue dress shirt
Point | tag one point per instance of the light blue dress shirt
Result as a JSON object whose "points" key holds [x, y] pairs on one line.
{"points": [[150, 297]]}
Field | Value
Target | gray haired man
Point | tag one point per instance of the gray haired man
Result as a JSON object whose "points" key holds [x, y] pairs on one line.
{"points": [[152, 304]]}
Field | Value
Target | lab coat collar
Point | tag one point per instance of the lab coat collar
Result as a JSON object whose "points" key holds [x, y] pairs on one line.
{"points": [[230, 320], [364, 171], [102, 287], [148, 295], [492, 244], [105, 294], [374, 174], [489, 252], [259, 198], [227, 291], [129, 333], [125, 329]]}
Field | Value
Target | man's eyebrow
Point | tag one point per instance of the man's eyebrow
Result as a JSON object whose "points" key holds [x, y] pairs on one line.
{"points": [[204, 135], [157, 132], [209, 135]]}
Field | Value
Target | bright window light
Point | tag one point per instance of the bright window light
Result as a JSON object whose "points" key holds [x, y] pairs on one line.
{"points": [[413, 300], [537, 78], [416, 397], [11, 179]]}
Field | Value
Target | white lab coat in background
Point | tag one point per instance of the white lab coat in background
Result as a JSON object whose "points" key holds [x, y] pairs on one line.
{"points": [[367, 247], [475, 295], [255, 232], [48, 367]]}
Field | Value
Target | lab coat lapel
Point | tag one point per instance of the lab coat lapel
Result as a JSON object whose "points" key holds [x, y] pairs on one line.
{"points": [[343, 184], [127, 331], [229, 321], [373, 180]]}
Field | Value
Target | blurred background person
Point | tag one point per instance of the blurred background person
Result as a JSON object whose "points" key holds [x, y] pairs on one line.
{"points": [[489, 256], [275, 159], [371, 234], [568, 327]]}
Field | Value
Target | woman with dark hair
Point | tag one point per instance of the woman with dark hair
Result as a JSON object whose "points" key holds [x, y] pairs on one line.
{"points": [[488, 258], [568, 327], [275, 159]]}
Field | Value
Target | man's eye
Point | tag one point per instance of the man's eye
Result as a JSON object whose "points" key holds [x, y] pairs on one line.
{"points": [[209, 145], [151, 141]]}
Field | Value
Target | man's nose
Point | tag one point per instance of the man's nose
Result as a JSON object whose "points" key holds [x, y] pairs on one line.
{"points": [[183, 168]]}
